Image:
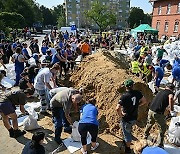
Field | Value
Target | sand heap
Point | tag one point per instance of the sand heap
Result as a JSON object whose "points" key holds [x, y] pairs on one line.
{"points": [[102, 76]]}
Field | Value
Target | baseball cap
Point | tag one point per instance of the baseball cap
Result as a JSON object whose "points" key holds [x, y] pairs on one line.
{"points": [[128, 83]]}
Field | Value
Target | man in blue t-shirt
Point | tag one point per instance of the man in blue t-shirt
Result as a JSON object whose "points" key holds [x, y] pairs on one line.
{"points": [[176, 62], [176, 76], [25, 52]]}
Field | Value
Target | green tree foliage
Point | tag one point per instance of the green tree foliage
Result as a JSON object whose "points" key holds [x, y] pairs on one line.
{"points": [[33, 12], [61, 21], [137, 17], [12, 20], [58, 13], [21, 7], [47, 16], [101, 15]]}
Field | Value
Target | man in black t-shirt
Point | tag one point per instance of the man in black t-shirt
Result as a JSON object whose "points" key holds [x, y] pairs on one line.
{"points": [[7, 110], [127, 108], [156, 111]]}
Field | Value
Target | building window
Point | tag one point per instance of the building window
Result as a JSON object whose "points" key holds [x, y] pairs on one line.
{"points": [[176, 26], [178, 8], [159, 10], [158, 25], [169, 9], [166, 27]]}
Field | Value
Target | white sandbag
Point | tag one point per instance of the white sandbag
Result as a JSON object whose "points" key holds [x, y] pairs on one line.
{"points": [[30, 123], [75, 133], [10, 71], [78, 59], [174, 131], [151, 86], [177, 108], [8, 83], [32, 112], [32, 61], [170, 78]]}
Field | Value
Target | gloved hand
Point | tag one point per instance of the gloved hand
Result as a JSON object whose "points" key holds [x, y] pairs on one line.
{"points": [[173, 113]]}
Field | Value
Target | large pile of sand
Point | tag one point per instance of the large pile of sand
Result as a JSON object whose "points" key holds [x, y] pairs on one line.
{"points": [[102, 76]]}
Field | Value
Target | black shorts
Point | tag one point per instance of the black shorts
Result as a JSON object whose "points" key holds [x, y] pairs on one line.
{"points": [[7, 108]]}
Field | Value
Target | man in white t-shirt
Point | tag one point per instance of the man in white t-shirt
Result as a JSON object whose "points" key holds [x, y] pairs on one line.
{"points": [[42, 84]]}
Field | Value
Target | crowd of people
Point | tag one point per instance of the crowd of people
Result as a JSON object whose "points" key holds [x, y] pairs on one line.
{"points": [[54, 59]]}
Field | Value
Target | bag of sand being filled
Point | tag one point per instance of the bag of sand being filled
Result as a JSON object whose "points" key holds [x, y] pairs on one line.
{"points": [[174, 131], [30, 123], [75, 133]]}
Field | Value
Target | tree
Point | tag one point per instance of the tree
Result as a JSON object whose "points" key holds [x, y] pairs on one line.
{"points": [[147, 19], [58, 13], [61, 21], [47, 16], [12, 20], [21, 7], [101, 15], [138, 17]]}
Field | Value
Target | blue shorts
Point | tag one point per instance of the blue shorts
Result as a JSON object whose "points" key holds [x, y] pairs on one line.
{"points": [[127, 129], [7, 108]]}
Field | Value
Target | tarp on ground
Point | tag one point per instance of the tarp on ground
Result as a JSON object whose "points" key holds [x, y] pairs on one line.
{"points": [[143, 28]]}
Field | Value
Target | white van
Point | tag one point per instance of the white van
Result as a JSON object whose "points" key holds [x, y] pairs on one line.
{"points": [[68, 29]]}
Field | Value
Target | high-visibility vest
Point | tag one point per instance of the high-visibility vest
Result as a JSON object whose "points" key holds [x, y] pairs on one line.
{"points": [[142, 50], [145, 70], [135, 67]]}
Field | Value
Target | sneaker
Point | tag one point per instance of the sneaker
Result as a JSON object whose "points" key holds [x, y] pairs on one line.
{"points": [[18, 133], [11, 132], [83, 152], [96, 146]]}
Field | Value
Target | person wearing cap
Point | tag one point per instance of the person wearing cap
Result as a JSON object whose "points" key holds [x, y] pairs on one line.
{"points": [[127, 108], [61, 106], [156, 111]]}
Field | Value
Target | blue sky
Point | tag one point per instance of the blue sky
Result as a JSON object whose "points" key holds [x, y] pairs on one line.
{"points": [[144, 4]]}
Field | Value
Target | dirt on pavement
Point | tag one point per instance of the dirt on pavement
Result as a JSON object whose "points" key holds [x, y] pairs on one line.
{"points": [[102, 76]]}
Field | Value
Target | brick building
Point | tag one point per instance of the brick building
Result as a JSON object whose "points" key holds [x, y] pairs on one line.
{"points": [[166, 17]]}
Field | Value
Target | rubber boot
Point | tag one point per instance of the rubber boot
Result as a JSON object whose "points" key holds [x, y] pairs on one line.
{"points": [[11, 132], [18, 133], [58, 132]]}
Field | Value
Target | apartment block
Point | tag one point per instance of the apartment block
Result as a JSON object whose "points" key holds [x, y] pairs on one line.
{"points": [[166, 17], [75, 12]]}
